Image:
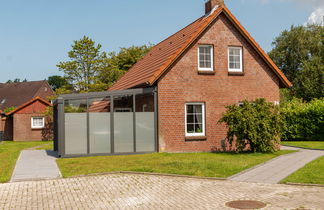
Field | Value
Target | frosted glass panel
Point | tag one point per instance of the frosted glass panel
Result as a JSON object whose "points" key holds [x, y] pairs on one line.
{"points": [[145, 132], [99, 132], [123, 132], [75, 133]]}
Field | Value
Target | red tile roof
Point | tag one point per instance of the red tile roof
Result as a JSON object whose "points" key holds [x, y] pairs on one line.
{"points": [[149, 69], [28, 103], [16, 94]]}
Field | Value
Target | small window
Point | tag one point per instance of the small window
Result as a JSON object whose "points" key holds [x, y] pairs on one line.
{"points": [[195, 119], [235, 59], [37, 122], [205, 58]]}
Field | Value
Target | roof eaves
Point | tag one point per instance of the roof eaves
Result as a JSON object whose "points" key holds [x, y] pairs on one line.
{"points": [[28, 103]]}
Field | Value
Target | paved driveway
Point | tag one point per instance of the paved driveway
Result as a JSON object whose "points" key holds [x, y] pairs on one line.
{"points": [[130, 191]]}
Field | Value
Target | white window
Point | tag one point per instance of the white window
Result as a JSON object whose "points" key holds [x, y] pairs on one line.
{"points": [[205, 58], [195, 119], [235, 59], [37, 122]]}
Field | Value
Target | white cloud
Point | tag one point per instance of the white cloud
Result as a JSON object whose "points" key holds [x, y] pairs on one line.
{"points": [[317, 17]]}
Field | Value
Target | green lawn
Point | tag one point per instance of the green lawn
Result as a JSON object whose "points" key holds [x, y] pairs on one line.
{"points": [[312, 173], [305, 144], [48, 146], [195, 164], [9, 152]]}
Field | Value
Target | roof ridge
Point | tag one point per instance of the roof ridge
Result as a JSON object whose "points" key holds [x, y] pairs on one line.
{"points": [[149, 69], [209, 19]]}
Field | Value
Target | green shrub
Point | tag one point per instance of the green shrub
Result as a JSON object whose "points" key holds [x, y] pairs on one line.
{"points": [[9, 109], [256, 124], [303, 121]]}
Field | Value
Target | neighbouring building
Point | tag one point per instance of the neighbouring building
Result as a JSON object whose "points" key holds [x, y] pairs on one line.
{"points": [[183, 85], [22, 110]]}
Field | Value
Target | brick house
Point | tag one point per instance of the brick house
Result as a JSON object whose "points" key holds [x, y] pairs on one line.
{"points": [[211, 63], [22, 107]]}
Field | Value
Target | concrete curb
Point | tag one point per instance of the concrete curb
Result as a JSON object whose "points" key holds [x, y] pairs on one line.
{"points": [[150, 174], [304, 184], [14, 169], [164, 175]]}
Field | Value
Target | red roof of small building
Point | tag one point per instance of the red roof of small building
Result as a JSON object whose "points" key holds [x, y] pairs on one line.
{"points": [[163, 55], [27, 104], [16, 94]]}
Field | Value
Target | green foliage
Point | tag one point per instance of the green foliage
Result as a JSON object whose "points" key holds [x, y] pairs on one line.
{"points": [[119, 63], [299, 52], [17, 80], [49, 112], [256, 124], [74, 109], [90, 70], [85, 61], [9, 109], [56, 82], [303, 121]]}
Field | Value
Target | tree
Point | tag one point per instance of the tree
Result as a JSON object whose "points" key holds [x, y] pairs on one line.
{"points": [[85, 62], [57, 82], [256, 125], [299, 52], [17, 80], [117, 64]]}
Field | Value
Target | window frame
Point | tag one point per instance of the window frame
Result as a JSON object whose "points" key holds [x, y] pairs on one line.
{"points": [[123, 109], [211, 69], [203, 120], [37, 127], [241, 59]]}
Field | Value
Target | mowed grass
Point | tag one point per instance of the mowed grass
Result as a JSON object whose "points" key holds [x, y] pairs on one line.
{"points": [[48, 146], [312, 173], [9, 152], [195, 164], [305, 144]]}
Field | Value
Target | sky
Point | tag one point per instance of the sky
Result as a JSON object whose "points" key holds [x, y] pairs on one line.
{"points": [[35, 35]]}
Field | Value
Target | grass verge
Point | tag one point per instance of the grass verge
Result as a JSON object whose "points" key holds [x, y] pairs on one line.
{"points": [[312, 173], [219, 165], [305, 144], [48, 146], [9, 152]]}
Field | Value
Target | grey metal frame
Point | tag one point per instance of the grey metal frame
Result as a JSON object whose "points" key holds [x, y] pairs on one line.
{"points": [[60, 121]]}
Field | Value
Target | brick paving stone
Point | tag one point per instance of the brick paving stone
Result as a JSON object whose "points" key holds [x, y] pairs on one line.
{"points": [[134, 191]]}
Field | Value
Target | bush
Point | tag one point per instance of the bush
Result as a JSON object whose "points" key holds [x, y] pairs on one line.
{"points": [[255, 125], [303, 121]]}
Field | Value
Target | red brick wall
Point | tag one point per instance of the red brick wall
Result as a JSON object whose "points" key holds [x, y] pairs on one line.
{"points": [[22, 130], [182, 84]]}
